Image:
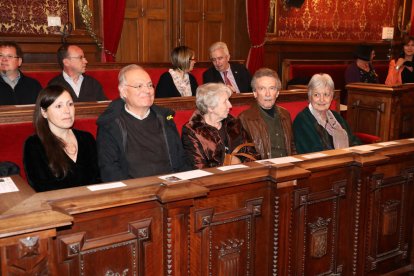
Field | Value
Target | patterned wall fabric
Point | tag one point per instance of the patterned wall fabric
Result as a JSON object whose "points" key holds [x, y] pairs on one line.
{"points": [[30, 16], [337, 19]]}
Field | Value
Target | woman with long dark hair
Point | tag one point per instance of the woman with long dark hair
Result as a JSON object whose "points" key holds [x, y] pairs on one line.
{"points": [[58, 156]]}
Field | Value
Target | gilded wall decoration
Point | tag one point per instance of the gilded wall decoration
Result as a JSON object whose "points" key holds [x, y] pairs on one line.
{"points": [[30, 16], [336, 19]]}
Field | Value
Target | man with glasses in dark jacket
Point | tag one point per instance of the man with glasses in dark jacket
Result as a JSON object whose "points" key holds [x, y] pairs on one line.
{"points": [[15, 87]]}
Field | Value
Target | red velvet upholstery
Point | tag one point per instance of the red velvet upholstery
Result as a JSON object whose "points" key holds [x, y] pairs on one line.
{"points": [[42, 76], [367, 138], [336, 71], [109, 77]]}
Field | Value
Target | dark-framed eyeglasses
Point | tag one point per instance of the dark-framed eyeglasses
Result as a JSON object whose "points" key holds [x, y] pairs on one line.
{"points": [[8, 57]]}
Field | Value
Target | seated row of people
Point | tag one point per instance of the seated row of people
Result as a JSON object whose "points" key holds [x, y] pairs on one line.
{"points": [[400, 69], [137, 138], [17, 89]]}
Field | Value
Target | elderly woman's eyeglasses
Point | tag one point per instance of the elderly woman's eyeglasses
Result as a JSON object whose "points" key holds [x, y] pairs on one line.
{"points": [[141, 86], [320, 95]]}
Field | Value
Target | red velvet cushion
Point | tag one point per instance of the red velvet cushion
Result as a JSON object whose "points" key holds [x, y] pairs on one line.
{"points": [[181, 118], [198, 74], [109, 81], [42, 77], [336, 71], [236, 110], [12, 139], [155, 74], [86, 124]]}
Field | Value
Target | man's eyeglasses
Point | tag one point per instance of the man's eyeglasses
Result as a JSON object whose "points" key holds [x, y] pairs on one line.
{"points": [[140, 87], [79, 57], [7, 57]]}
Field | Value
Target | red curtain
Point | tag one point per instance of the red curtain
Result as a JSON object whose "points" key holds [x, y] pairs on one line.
{"points": [[114, 11], [411, 31], [257, 19]]}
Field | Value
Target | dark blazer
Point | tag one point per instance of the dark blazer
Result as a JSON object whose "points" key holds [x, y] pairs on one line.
{"points": [[166, 87], [240, 73], [91, 90]]}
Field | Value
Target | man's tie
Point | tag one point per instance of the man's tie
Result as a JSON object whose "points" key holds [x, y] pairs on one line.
{"points": [[226, 80]]}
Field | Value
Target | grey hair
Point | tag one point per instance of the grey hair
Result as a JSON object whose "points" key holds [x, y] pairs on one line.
{"points": [[320, 80], [208, 95], [266, 72], [122, 73], [219, 45], [126, 69]]}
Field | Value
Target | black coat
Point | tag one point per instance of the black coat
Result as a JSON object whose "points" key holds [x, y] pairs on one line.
{"points": [[112, 136], [82, 172], [240, 73]]}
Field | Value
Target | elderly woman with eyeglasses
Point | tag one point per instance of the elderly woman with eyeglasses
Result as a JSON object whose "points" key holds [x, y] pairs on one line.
{"points": [[178, 81], [212, 131], [316, 128]]}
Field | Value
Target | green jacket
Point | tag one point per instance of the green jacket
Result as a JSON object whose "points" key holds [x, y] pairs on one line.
{"points": [[311, 137]]}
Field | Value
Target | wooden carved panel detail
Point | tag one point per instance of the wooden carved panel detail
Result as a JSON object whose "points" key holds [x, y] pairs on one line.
{"points": [[390, 217], [229, 236], [229, 256], [389, 200], [28, 247], [169, 247], [318, 237], [125, 247], [275, 236], [357, 216], [28, 257], [317, 244], [361, 110]]}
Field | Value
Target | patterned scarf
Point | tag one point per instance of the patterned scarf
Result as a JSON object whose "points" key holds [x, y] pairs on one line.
{"points": [[182, 84], [333, 127]]}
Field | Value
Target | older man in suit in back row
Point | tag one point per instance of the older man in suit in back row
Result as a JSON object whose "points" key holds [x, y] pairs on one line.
{"points": [[234, 75]]}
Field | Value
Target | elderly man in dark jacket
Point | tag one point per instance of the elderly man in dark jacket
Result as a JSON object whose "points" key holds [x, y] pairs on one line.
{"points": [[135, 137], [269, 126]]}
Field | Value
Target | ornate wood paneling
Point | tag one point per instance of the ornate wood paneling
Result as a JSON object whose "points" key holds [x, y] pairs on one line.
{"points": [[381, 110], [320, 228], [389, 204], [345, 213]]}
